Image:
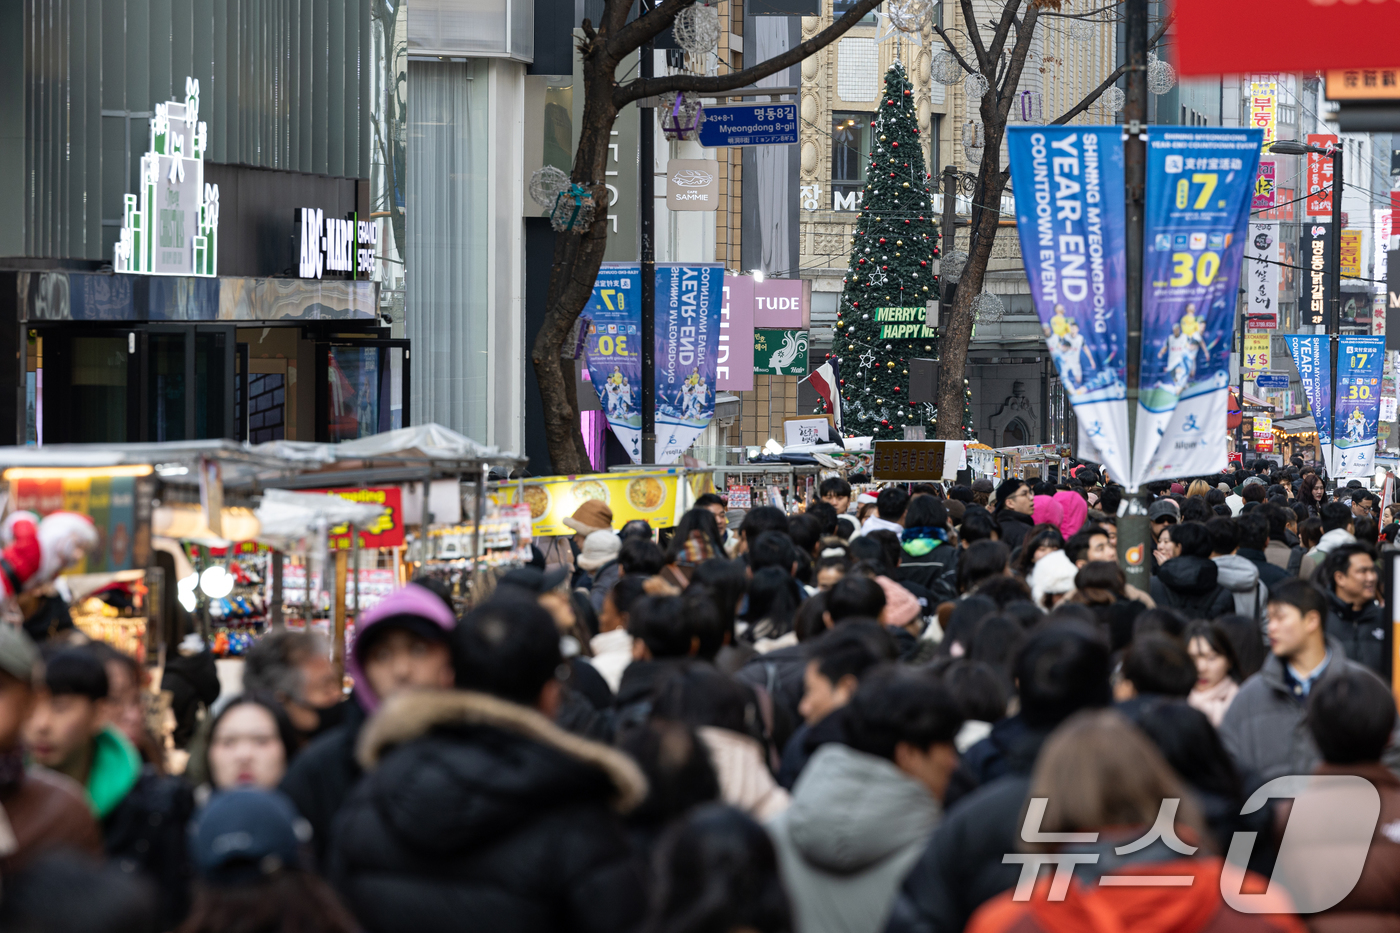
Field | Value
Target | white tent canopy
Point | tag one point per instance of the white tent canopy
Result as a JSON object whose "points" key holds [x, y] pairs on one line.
{"points": [[424, 442], [289, 517]]}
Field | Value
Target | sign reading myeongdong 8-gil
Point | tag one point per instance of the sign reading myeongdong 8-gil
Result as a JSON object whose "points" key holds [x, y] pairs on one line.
{"points": [[171, 227]]}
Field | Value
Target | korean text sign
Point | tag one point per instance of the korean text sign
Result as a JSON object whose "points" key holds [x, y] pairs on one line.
{"points": [[613, 347], [688, 299], [1360, 362], [1310, 355], [1070, 218], [387, 530], [1262, 275], [1200, 183], [1319, 177]]}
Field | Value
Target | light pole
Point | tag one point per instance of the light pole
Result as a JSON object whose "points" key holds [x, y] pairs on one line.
{"points": [[1334, 273]]}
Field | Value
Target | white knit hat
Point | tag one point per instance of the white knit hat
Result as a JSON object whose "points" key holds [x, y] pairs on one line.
{"points": [[599, 548], [1053, 573]]}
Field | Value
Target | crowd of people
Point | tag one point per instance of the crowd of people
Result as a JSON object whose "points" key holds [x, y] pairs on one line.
{"points": [[863, 717]]}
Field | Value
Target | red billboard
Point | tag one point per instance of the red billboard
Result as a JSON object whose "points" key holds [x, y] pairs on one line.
{"points": [[1320, 177], [1214, 37], [387, 531]]}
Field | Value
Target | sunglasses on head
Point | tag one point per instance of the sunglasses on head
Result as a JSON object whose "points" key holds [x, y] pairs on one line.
{"points": [[1166, 520]]}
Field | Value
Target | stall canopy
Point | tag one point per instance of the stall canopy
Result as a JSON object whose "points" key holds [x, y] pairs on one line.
{"points": [[288, 519], [405, 454]]}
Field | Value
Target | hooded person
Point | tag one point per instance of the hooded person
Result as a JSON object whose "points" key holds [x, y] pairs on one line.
{"points": [[1047, 511], [401, 644], [1075, 509], [863, 809]]}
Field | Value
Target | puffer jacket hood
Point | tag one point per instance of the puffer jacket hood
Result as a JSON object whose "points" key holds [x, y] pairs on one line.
{"points": [[850, 810], [1237, 574], [1191, 576]]}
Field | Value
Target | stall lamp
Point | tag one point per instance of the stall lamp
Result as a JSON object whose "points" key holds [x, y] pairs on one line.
{"points": [[216, 582], [78, 473], [184, 591]]}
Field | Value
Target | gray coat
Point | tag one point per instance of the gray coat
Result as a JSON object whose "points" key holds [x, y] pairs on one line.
{"points": [[856, 826], [1264, 729]]}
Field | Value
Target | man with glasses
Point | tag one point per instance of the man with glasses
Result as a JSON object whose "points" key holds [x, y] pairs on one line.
{"points": [[1015, 503]]}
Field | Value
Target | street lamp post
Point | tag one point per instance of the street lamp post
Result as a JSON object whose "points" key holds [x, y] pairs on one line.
{"points": [[1334, 283]]}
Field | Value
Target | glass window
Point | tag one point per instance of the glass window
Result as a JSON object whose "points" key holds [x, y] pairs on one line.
{"points": [[166, 386], [839, 9], [99, 389], [850, 147]]}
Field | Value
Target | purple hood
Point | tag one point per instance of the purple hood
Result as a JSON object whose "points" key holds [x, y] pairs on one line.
{"points": [[412, 600]]}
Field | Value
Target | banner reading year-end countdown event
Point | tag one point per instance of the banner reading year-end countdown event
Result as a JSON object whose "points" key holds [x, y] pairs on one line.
{"points": [[688, 298], [614, 350], [1069, 211], [1200, 183], [1310, 355], [1360, 361]]}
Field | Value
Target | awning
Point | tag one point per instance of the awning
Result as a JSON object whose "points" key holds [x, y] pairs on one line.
{"points": [[1296, 425]]}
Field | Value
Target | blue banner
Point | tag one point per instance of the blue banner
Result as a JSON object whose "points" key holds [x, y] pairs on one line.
{"points": [[614, 350], [1200, 184], [688, 299], [1360, 361], [1310, 355], [1069, 213]]}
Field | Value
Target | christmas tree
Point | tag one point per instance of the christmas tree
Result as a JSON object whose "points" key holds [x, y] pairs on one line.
{"points": [[880, 324]]}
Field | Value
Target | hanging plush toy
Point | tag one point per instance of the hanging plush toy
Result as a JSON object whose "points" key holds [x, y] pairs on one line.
{"points": [[35, 551]]}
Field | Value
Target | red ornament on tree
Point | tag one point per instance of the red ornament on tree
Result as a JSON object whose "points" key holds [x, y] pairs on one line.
{"points": [[896, 145], [882, 241]]}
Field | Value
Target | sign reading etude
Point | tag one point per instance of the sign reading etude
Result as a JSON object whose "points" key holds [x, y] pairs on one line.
{"points": [[171, 226], [333, 244]]}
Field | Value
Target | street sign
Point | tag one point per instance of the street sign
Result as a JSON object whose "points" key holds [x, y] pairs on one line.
{"points": [[1257, 408], [1271, 381], [767, 124]]}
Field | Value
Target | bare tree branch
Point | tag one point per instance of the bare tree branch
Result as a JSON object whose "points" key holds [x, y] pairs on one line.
{"points": [[974, 34], [1003, 30], [951, 48], [1112, 79], [701, 84]]}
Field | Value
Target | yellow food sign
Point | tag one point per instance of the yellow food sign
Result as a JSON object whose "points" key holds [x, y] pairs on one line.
{"points": [[651, 497]]}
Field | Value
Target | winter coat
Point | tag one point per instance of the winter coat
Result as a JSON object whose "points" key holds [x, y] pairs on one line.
{"points": [[1010, 747], [603, 579], [930, 563], [1076, 510], [1193, 908], [804, 743], [1268, 573], [1240, 576], [480, 812], [856, 826], [143, 816], [744, 779], [1295, 559], [1329, 542], [1361, 632], [319, 780], [193, 680], [1014, 526], [1373, 905], [1191, 586], [779, 673], [1278, 553], [44, 811], [1263, 730]]}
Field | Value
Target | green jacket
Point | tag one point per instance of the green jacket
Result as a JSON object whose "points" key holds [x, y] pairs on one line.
{"points": [[116, 766]]}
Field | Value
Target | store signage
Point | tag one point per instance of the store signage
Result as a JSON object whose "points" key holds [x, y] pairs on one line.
{"points": [[1211, 36], [771, 124], [387, 530], [1363, 84], [171, 226], [780, 352], [1271, 380], [692, 185], [1263, 110], [781, 303], [908, 460], [1261, 275], [1320, 176], [1312, 256], [1351, 254], [1264, 187], [331, 244]]}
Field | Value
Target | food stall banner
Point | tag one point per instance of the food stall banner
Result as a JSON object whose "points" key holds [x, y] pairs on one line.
{"points": [[384, 531], [1200, 183], [111, 503], [652, 497]]}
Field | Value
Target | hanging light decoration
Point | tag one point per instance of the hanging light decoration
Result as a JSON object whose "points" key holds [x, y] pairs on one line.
{"points": [[952, 263], [974, 141], [908, 15], [987, 308], [975, 87], [545, 185], [573, 209], [680, 115], [696, 29], [1028, 107], [946, 69], [1082, 30], [1161, 77], [1114, 99]]}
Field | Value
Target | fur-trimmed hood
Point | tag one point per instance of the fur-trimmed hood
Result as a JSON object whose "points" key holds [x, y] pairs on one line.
{"points": [[450, 716]]}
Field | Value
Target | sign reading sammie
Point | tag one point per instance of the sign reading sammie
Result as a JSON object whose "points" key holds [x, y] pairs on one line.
{"points": [[171, 226]]}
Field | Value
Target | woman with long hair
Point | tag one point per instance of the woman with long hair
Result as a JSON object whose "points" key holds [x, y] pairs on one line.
{"points": [[1040, 541], [1217, 670], [1313, 493], [696, 540], [773, 599]]}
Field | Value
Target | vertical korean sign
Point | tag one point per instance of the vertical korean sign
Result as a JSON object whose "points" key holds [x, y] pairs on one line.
{"points": [[1264, 184], [1320, 176], [613, 346], [688, 300], [1351, 254], [1263, 109], [1314, 292], [1261, 275], [1070, 219], [1310, 355], [1360, 363], [1200, 183]]}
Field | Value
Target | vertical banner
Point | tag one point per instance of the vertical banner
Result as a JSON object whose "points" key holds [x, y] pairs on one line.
{"points": [[688, 298], [1264, 183], [1200, 182], [1320, 177], [1310, 355], [1263, 109], [1262, 275], [1256, 353], [1314, 290], [734, 365], [614, 350], [1360, 363], [1351, 254], [1380, 231], [1392, 299], [1070, 217]]}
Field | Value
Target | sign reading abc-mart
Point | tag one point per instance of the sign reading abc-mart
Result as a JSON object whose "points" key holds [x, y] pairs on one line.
{"points": [[171, 226]]}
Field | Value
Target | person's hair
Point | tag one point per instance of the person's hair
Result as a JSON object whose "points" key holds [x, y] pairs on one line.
{"points": [[1100, 581], [1351, 716], [761, 519], [709, 499], [960, 492], [1098, 771], [979, 561], [290, 899], [1301, 596], [894, 705], [1159, 619], [1191, 537], [1110, 499], [699, 695], [641, 557], [661, 623], [835, 486], [273, 665], [1254, 530], [824, 513], [1364, 529], [1338, 560], [703, 620], [1224, 535], [1310, 482], [1215, 635], [1042, 535], [891, 551], [996, 642], [1254, 492], [850, 649], [978, 525], [960, 627], [286, 732], [75, 672], [809, 620], [627, 590], [1214, 497], [1060, 669], [64, 891], [1335, 515], [677, 766], [805, 531], [507, 647], [716, 872], [891, 503], [1002, 589], [727, 581], [1156, 663], [1279, 519], [980, 691], [1007, 489], [855, 595], [636, 529], [696, 520], [773, 595], [772, 549], [1191, 745], [926, 512], [1198, 487], [1195, 509], [1077, 547]]}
